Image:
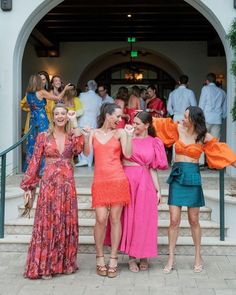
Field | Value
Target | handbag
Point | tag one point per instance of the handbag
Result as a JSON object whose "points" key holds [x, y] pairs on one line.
{"points": [[29, 202]]}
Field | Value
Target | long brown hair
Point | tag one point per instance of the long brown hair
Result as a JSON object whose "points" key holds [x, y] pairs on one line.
{"points": [[35, 83], [69, 95], [106, 108], [197, 118]]}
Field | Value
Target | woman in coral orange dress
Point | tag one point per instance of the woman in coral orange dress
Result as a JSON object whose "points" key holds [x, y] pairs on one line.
{"points": [[185, 189], [110, 188], [54, 244]]}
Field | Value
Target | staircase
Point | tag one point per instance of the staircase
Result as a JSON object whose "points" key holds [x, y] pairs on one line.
{"points": [[18, 230]]}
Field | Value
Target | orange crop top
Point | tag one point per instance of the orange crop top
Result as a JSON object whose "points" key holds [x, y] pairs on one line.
{"points": [[218, 154]]}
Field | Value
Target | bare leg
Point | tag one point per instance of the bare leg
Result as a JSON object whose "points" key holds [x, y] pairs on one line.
{"points": [[99, 232], [175, 218], [193, 218], [115, 215]]}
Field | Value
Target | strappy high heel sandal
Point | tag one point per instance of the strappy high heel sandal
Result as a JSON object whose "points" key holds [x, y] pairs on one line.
{"points": [[168, 269], [112, 270], [101, 268]]}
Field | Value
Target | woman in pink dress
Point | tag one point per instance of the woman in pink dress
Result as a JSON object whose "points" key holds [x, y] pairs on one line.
{"points": [[139, 232], [54, 244]]}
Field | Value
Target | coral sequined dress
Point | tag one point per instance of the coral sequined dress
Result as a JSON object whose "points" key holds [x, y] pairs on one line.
{"points": [[110, 185]]}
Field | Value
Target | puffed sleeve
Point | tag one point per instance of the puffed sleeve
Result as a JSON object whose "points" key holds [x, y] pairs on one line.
{"points": [[31, 176], [24, 105], [159, 160], [78, 144], [218, 154], [166, 130]]}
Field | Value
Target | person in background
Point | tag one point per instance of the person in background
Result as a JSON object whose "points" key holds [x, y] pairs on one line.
{"points": [[24, 105], [133, 103], [185, 187], [47, 86], [72, 101], [143, 97], [122, 100], [213, 102], [110, 188], [154, 104], [140, 217], [91, 107], [180, 99], [54, 244], [36, 97], [102, 92]]}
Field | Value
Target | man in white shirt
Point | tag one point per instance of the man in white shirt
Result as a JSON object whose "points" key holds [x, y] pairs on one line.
{"points": [[180, 98], [102, 92], [91, 106], [213, 102]]}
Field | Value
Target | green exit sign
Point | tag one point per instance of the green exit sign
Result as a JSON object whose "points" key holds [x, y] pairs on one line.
{"points": [[134, 53], [131, 39]]}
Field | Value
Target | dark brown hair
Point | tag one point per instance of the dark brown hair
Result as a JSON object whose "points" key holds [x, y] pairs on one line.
{"points": [[197, 118], [146, 117], [106, 108]]}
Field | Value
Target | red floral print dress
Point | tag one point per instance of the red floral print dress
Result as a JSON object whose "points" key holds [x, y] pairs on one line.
{"points": [[54, 244]]}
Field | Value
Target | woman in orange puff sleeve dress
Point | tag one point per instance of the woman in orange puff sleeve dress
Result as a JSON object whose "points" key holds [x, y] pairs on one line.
{"points": [[185, 188], [110, 188]]}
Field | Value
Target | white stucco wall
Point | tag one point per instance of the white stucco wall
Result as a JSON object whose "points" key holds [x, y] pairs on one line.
{"points": [[16, 26]]}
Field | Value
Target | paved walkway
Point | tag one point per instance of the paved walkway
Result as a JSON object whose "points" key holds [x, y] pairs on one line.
{"points": [[218, 278]]}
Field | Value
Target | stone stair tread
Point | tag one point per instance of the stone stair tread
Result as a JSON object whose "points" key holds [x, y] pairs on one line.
{"points": [[161, 207], [206, 241], [91, 222]]}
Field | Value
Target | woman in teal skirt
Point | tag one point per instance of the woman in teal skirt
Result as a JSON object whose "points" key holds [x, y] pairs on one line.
{"points": [[185, 187]]}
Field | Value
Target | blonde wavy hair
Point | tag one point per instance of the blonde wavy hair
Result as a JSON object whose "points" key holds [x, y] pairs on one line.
{"points": [[68, 126]]}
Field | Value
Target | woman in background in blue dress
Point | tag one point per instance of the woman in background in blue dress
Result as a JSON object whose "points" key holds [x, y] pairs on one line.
{"points": [[36, 97]]}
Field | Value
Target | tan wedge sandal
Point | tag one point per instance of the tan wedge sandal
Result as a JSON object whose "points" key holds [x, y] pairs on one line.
{"points": [[112, 270], [101, 268]]}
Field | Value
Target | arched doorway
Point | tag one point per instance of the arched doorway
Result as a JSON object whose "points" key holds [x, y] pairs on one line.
{"points": [[119, 75]]}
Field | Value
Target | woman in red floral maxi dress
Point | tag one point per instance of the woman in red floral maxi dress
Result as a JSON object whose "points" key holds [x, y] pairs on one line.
{"points": [[54, 244]]}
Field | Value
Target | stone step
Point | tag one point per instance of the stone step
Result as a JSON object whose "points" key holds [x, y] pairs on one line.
{"points": [[23, 226], [85, 211], [210, 245]]}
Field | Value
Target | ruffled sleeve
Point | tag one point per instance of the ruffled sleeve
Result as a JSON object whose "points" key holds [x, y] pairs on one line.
{"points": [[31, 176], [24, 105], [166, 130], [218, 154], [160, 160], [78, 144]]}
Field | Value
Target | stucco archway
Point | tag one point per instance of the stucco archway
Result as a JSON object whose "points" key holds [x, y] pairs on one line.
{"points": [[39, 8], [107, 60]]}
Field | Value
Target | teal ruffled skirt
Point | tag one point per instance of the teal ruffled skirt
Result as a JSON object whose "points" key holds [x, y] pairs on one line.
{"points": [[185, 185]]}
